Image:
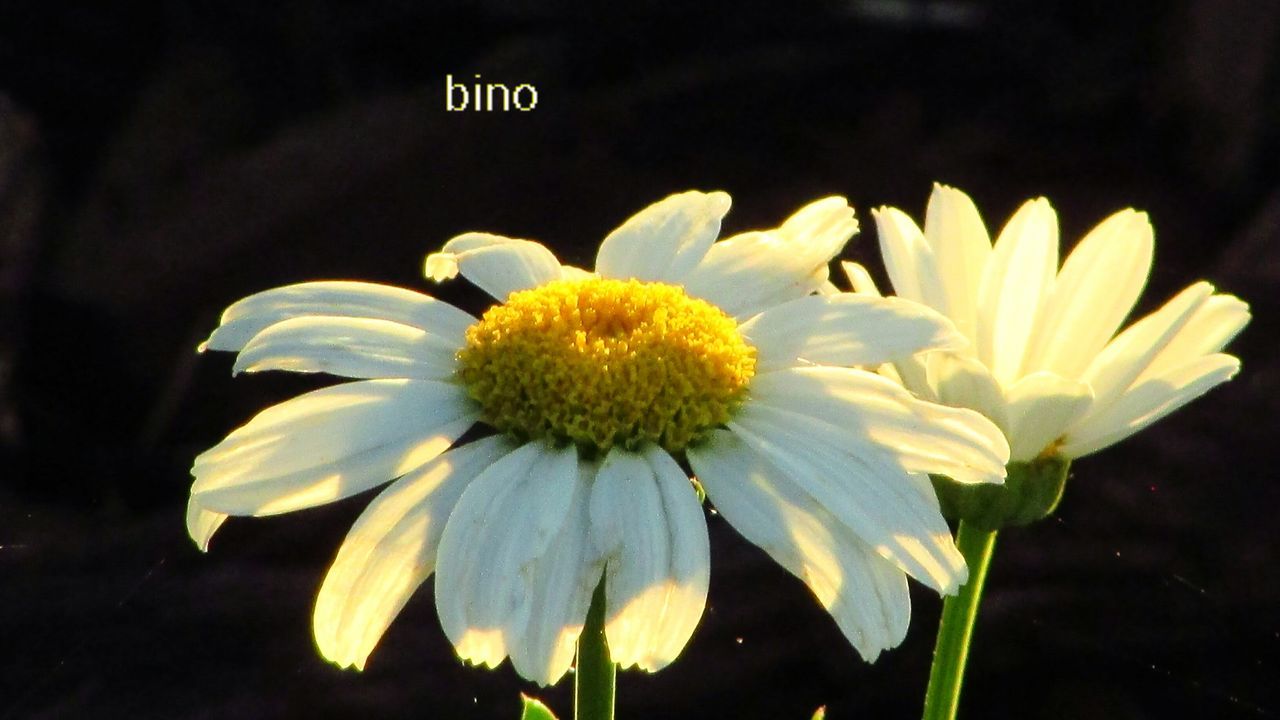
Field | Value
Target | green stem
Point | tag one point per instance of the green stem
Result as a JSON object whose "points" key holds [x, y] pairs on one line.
{"points": [[594, 681], [942, 699]]}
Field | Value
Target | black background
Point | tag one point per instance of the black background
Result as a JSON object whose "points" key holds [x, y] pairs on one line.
{"points": [[160, 160]]}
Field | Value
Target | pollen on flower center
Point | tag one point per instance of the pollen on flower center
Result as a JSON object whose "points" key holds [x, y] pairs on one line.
{"points": [[605, 362]]}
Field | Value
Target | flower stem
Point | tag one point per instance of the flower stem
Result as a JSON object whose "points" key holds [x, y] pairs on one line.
{"points": [[942, 699], [594, 681]]}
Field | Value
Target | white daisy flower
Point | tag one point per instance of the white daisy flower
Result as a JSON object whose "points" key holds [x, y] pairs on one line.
{"points": [[1044, 362], [598, 385]]}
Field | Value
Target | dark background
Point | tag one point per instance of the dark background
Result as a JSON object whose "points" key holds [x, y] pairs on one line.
{"points": [[159, 160]]}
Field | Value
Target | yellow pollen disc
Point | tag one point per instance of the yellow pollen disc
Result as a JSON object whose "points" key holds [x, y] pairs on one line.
{"points": [[606, 362]]}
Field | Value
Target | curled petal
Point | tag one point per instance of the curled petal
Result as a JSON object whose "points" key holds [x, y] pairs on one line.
{"points": [[496, 264], [202, 523]]}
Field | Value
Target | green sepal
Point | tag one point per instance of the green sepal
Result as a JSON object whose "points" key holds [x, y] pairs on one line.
{"points": [[535, 710], [1030, 492]]}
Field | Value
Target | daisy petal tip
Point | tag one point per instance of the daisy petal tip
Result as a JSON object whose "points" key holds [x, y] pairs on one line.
{"points": [[202, 524], [859, 279], [441, 266], [719, 200]]}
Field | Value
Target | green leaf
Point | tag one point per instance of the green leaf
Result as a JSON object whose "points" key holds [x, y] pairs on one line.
{"points": [[535, 710]]}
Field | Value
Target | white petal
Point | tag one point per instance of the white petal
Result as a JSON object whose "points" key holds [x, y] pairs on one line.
{"points": [[962, 381], [495, 545], [961, 248], [1133, 351], [338, 298], [1207, 331], [1016, 280], [202, 523], [846, 329], [496, 264], [561, 583], [873, 415], [1099, 283], [1041, 408], [665, 240], [1148, 401], [753, 271], [827, 224], [350, 347], [569, 272], [907, 256], [390, 550], [866, 594], [859, 279], [330, 444], [913, 374], [647, 524], [861, 487]]}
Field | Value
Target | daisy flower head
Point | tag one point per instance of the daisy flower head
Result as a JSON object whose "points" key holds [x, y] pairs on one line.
{"points": [[599, 389], [1045, 362]]}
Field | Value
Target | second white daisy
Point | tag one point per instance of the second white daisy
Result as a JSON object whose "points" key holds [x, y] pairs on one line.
{"points": [[1044, 362]]}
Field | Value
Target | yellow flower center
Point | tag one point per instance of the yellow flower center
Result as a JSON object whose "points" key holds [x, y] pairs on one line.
{"points": [[606, 362]]}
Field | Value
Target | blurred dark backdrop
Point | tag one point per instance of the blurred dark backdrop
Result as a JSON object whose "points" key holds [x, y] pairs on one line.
{"points": [[159, 160]]}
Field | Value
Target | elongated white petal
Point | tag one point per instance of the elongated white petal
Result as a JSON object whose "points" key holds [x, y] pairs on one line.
{"points": [[871, 414], [647, 524], [750, 272], [665, 240], [859, 279], [827, 224], [338, 298], [863, 488], [1017, 278], [846, 329], [1148, 401], [350, 347], [1041, 408], [202, 523], [330, 444], [561, 580], [391, 550], [1100, 282], [507, 520], [496, 264], [1214, 324], [913, 373], [962, 381], [908, 258], [961, 248], [866, 594], [909, 371], [1133, 350]]}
